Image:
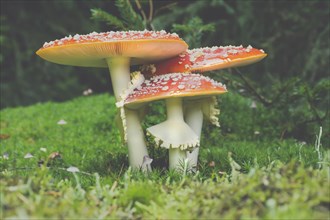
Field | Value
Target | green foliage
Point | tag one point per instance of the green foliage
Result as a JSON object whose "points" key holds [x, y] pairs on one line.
{"points": [[129, 15], [193, 31], [139, 192], [90, 128], [128, 19], [276, 191], [25, 77], [111, 21]]}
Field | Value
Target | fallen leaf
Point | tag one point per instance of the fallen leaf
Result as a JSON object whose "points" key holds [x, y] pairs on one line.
{"points": [[4, 136], [53, 193], [212, 164], [54, 155], [53, 158], [28, 156], [73, 169]]}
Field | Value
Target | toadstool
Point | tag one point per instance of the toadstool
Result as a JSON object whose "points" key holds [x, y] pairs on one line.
{"points": [[117, 51], [205, 59], [173, 134], [202, 60]]}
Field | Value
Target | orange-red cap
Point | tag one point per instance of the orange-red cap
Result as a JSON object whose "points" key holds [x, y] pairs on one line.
{"points": [[92, 49], [173, 85], [206, 59]]}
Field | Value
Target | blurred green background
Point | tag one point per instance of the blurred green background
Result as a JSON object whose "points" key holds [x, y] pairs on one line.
{"points": [[291, 85]]}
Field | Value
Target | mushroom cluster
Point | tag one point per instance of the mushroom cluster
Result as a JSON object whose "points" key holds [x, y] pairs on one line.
{"points": [[170, 72], [203, 60]]}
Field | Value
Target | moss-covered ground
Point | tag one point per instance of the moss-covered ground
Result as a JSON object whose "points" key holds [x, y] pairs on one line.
{"points": [[246, 169]]}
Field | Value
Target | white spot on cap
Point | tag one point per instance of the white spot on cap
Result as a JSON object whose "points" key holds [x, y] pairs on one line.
{"points": [[76, 37], [154, 35], [114, 36], [181, 86], [165, 88]]}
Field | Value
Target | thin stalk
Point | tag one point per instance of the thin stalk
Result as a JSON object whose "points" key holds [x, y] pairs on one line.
{"points": [[175, 114], [135, 140], [120, 74], [194, 118], [120, 77]]}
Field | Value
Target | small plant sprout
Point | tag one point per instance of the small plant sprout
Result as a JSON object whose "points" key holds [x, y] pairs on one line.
{"points": [[317, 147], [5, 156], [117, 51], [147, 162], [173, 134], [253, 105]]}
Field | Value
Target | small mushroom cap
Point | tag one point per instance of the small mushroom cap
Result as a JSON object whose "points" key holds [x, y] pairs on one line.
{"points": [[91, 50], [173, 85], [206, 59]]}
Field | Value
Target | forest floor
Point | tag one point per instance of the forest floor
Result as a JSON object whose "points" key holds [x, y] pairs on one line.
{"points": [[66, 160]]}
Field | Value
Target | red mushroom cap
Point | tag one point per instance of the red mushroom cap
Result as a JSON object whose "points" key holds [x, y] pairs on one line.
{"points": [[174, 85], [207, 59], [92, 49]]}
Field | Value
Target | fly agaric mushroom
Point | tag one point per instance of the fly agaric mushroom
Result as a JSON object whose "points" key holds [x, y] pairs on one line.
{"points": [[173, 134], [205, 59], [202, 60], [117, 51]]}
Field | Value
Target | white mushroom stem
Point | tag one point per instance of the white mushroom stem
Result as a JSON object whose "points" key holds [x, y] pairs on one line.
{"points": [[174, 133], [120, 74], [120, 77], [135, 140], [194, 118], [176, 158], [194, 115]]}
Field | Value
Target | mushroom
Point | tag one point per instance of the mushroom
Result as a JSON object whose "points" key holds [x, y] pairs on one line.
{"points": [[205, 59], [202, 60], [117, 51], [173, 134]]}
